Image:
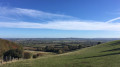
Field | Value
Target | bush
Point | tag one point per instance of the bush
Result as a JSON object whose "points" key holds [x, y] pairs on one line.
{"points": [[80, 46], [60, 51], [99, 43], [40, 54], [66, 48], [27, 55], [13, 53], [49, 49], [35, 56]]}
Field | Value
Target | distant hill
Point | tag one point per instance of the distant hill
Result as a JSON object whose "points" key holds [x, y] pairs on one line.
{"points": [[103, 55], [62, 39], [6, 45]]}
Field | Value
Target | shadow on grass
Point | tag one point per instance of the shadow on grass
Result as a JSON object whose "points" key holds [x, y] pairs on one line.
{"points": [[100, 55], [117, 49]]}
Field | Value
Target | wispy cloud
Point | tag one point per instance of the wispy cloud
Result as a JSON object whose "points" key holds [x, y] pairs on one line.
{"points": [[118, 18], [19, 18], [30, 14]]}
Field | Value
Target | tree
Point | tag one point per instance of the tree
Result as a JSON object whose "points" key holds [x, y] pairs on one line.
{"points": [[49, 48], [66, 48], [99, 43], [63, 44]]}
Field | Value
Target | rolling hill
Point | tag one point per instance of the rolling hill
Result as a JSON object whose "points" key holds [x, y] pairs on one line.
{"points": [[103, 55], [6, 45]]}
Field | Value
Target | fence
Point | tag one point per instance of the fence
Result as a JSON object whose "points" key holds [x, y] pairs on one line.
{"points": [[9, 60]]}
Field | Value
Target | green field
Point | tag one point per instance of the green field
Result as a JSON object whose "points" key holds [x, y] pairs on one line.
{"points": [[103, 55]]}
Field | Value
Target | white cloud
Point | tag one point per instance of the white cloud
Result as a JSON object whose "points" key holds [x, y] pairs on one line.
{"points": [[65, 25]]}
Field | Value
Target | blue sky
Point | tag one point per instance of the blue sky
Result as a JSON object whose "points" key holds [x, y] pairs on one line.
{"points": [[59, 18]]}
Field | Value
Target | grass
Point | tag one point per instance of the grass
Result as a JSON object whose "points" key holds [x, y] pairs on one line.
{"points": [[104, 55]]}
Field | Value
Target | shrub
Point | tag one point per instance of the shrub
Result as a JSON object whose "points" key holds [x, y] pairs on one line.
{"points": [[13, 53], [66, 48], [99, 43], [80, 46], [40, 54], [35, 56], [49, 49], [27, 55], [60, 51]]}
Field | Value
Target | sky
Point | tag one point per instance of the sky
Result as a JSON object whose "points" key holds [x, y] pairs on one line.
{"points": [[59, 18]]}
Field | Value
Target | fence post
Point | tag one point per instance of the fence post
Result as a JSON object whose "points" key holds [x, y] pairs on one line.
{"points": [[13, 58], [1, 61], [10, 58], [6, 58]]}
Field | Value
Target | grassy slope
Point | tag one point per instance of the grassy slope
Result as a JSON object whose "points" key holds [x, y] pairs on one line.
{"points": [[104, 55]]}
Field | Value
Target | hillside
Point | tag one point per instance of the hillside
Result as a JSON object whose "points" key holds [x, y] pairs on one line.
{"points": [[7, 45], [103, 55]]}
